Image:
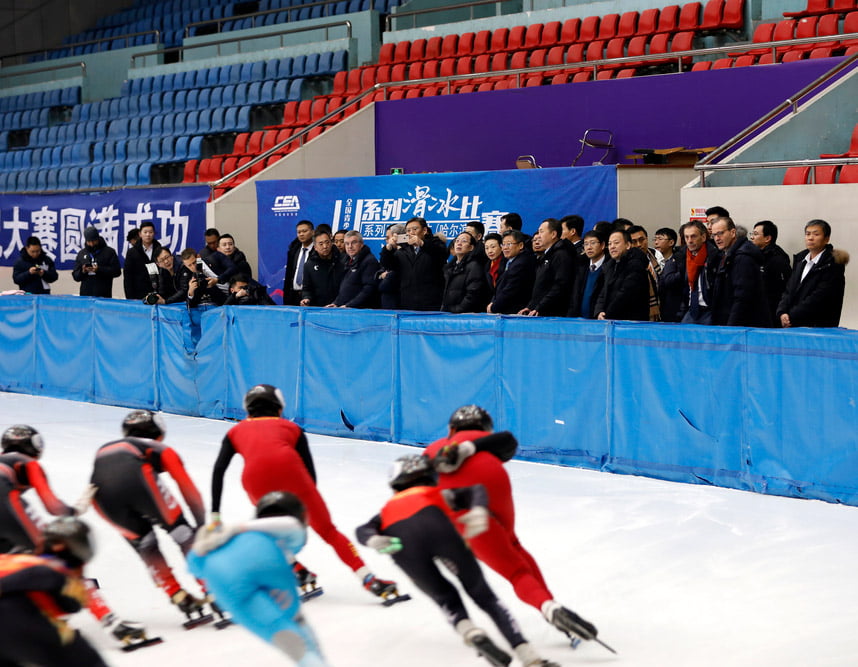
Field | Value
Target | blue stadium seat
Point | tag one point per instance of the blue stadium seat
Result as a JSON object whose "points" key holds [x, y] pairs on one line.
{"points": [[195, 146], [145, 130], [192, 123], [234, 73], [217, 97], [180, 147], [63, 178], [158, 125], [81, 153], [218, 115], [213, 77], [311, 65], [339, 61], [179, 120], [114, 108], [146, 84], [98, 152], [266, 93], [285, 68], [134, 127], [246, 72], [55, 159], [295, 90], [240, 94], [124, 107], [323, 66], [169, 120], [144, 172], [298, 66], [36, 180], [204, 98], [85, 177], [227, 95], [257, 71], [193, 100], [53, 178], [118, 176], [121, 151], [101, 129], [254, 93], [109, 148], [281, 91], [204, 125], [180, 100], [272, 69], [118, 129]]}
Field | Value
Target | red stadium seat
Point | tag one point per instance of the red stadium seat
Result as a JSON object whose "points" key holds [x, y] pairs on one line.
{"points": [[762, 33], [826, 175], [830, 25], [713, 13], [537, 58], [626, 73], [648, 22], [850, 24], [734, 15], [853, 147], [575, 53], [745, 61], [240, 144], [254, 145], [579, 77], [616, 49], [515, 41], [532, 36], [628, 25], [668, 19], [569, 31], [397, 72], [190, 171], [589, 29], [722, 63], [689, 16], [683, 41], [821, 52], [563, 77], [481, 42], [784, 30], [433, 48], [596, 50], [385, 54], [658, 44], [550, 34], [608, 26], [449, 46], [401, 52], [499, 39], [701, 66], [418, 51], [848, 173], [500, 62], [605, 74], [793, 55], [465, 65], [415, 71], [636, 47], [519, 60], [340, 83], [813, 7], [796, 175], [466, 44]]}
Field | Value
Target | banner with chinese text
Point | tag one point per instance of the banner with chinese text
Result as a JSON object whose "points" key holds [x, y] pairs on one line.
{"points": [[179, 215], [447, 201]]}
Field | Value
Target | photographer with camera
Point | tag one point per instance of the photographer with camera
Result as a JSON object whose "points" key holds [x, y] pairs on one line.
{"points": [[140, 268], [203, 287], [34, 269], [167, 284], [96, 265]]}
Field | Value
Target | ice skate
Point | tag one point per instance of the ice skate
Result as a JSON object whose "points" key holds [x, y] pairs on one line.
{"points": [[486, 648], [568, 621], [130, 634], [384, 589], [193, 608], [223, 620], [306, 582]]}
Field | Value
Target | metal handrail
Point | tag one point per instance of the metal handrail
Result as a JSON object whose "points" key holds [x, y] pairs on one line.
{"points": [[22, 54], [780, 164], [679, 56], [238, 17], [238, 40], [791, 103], [428, 10], [81, 64]]}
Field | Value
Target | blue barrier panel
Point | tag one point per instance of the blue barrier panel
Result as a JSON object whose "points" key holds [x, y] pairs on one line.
{"points": [[554, 381], [123, 350], [65, 347], [348, 372], [444, 362], [176, 363], [212, 363], [676, 403], [260, 345], [803, 388], [17, 333]]}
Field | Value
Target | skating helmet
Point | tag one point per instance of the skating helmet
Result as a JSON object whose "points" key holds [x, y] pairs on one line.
{"points": [[281, 503], [143, 424], [413, 470], [24, 439], [471, 417], [69, 539], [263, 399]]}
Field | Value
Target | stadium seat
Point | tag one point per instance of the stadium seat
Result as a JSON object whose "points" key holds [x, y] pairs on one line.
{"points": [[853, 147], [813, 7], [713, 13], [668, 19], [401, 53], [499, 40], [796, 175], [628, 25], [689, 16], [608, 25], [515, 39], [550, 34], [449, 46], [848, 174], [417, 52], [532, 36], [733, 17], [570, 30], [433, 48], [465, 46], [589, 29]]}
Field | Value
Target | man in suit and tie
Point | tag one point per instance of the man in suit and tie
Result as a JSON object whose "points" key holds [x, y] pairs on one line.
{"points": [[589, 281], [515, 284], [296, 258]]}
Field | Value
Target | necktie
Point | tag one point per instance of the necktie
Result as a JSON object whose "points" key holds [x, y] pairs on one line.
{"points": [[592, 267], [299, 272]]}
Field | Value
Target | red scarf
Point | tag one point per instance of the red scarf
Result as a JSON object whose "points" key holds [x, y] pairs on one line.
{"points": [[494, 269], [693, 264]]}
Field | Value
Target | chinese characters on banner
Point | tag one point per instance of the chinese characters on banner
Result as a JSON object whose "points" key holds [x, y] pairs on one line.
{"points": [[179, 216], [447, 202]]}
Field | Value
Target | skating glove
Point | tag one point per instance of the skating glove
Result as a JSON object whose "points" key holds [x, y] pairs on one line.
{"points": [[384, 544], [476, 521], [213, 537], [83, 503], [452, 456]]}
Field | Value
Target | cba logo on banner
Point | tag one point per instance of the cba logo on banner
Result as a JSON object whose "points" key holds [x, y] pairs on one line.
{"points": [[286, 204]]}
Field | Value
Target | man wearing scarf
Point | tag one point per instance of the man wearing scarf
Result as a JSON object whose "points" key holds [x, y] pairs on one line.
{"points": [[701, 258]]}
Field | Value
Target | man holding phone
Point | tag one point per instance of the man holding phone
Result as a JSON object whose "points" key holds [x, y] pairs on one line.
{"points": [[418, 258], [96, 265]]}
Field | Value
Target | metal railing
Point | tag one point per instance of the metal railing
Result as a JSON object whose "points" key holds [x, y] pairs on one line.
{"points": [[792, 105], [414, 13], [679, 56], [238, 40], [289, 10], [101, 40], [54, 68]]}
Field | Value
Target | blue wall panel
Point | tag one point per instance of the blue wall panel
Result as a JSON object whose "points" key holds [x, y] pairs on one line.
{"points": [[762, 410]]}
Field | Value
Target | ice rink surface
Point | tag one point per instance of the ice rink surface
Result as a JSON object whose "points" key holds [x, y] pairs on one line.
{"points": [[671, 574]]}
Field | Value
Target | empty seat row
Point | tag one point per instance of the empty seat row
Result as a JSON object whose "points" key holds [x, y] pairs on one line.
{"points": [[821, 175], [827, 25], [43, 98], [21, 120], [78, 177], [817, 7], [144, 9], [725, 14]]}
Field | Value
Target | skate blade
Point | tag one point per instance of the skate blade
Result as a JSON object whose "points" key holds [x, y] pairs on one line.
{"points": [[390, 601], [601, 643], [197, 621], [312, 593], [141, 643], [222, 623]]}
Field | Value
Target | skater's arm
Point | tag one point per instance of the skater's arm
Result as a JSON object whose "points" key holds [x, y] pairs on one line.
{"points": [[370, 529], [173, 465], [303, 449], [467, 497], [227, 451], [38, 480], [503, 445], [34, 578]]}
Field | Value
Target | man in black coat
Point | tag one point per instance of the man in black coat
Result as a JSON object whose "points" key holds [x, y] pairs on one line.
{"points": [[590, 278], [141, 274], [359, 286], [323, 271], [814, 293], [296, 259], [418, 260], [625, 295], [515, 283], [555, 273], [34, 270], [738, 295], [96, 265], [776, 265]]}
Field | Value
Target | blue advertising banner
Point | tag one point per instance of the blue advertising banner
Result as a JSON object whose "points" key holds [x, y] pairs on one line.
{"points": [[447, 202], [58, 220]]}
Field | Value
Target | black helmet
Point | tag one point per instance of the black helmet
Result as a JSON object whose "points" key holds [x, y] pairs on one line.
{"points": [[69, 539], [143, 424], [24, 439], [471, 417], [263, 398], [413, 470], [281, 503]]}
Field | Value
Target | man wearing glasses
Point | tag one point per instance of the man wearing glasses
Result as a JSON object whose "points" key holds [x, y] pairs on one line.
{"points": [[515, 283]]}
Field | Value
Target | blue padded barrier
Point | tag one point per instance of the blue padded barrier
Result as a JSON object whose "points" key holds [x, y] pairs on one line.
{"points": [[760, 410]]}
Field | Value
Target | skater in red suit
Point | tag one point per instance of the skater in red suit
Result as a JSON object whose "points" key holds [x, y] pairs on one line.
{"points": [[131, 497], [472, 454], [277, 458], [21, 530]]}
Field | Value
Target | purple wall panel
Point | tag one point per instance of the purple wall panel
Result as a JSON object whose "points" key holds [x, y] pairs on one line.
{"points": [[486, 131]]}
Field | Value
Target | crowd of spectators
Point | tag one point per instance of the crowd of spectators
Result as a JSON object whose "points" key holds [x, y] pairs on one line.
{"points": [[708, 272]]}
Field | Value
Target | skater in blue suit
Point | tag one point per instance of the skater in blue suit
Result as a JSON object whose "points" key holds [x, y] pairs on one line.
{"points": [[248, 568]]}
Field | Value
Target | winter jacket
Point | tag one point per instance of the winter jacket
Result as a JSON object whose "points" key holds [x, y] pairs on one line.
{"points": [[100, 283], [738, 294], [776, 273], [577, 301], [817, 300], [465, 286], [359, 286], [555, 275], [625, 294], [136, 278], [420, 273], [322, 278], [33, 282], [515, 284]]}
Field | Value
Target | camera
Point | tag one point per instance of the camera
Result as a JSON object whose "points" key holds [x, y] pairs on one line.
{"points": [[402, 238], [93, 262], [151, 299], [200, 276]]}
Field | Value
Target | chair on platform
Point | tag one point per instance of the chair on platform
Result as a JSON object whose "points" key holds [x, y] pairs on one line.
{"points": [[595, 138]]}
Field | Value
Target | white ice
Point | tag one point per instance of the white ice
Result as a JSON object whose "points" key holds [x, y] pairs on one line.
{"points": [[671, 574]]}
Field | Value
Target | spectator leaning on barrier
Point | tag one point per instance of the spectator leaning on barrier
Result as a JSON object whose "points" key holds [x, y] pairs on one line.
{"points": [[776, 265], [296, 258], [359, 286], [418, 259], [96, 266], [555, 272], [640, 240], [494, 260], [697, 274], [590, 279], [34, 269], [322, 272], [625, 294], [515, 284], [465, 287], [814, 292], [141, 274], [738, 297]]}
